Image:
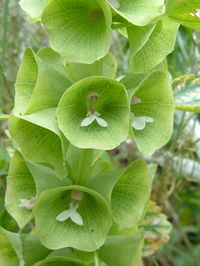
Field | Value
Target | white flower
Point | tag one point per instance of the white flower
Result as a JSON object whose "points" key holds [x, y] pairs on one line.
{"points": [[91, 117], [71, 213], [27, 203], [198, 13], [135, 100], [139, 122]]}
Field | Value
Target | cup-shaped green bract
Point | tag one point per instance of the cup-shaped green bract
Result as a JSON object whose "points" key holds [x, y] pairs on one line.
{"points": [[156, 105], [79, 29], [84, 103], [8, 255], [20, 187], [34, 8], [12, 253], [40, 82], [185, 12], [122, 249], [106, 66], [39, 139], [151, 44], [57, 234], [131, 194], [138, 12]]}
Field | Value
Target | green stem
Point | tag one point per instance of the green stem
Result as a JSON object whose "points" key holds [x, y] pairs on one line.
{"points": [[84, 167], [21, 258], [96, 259], [4, 116], [4, 46]]}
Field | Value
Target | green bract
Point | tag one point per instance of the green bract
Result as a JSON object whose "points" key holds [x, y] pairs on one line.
{"points": [[131, 194], [107, 66], [138, 12], [186, 12], [96, 95], [33, 8], [78, 29], [57, 234], [40, 82], [39, 139], [151, 44], [123, 250], [20, 186], [152, 99]]}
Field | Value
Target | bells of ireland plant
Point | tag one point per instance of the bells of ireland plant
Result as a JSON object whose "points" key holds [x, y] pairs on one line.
{"points": [[79, 29], [90, 112]]}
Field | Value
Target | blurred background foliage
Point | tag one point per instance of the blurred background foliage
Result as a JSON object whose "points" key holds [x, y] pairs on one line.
{"points": [[177, 184]]}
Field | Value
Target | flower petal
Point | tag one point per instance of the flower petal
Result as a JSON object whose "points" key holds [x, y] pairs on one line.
{"points": [[63, 216], [76, 218], [87, 121], [101, 122]]}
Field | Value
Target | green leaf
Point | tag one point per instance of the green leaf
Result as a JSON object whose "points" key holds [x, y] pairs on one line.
{"points": [[79, 30], [138, 12], [20, 185], [185, 12], [33, 8], [130, 194], [39, 139], [188, 98], [156, 98], [123, 250], [55, 235], [40, 82], [95, 94], [8, 255], [107, 66], [153, 47]]}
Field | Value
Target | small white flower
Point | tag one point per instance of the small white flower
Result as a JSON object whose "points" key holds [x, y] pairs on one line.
{"points": [[135, 100], [114, 3], [197, 13], [139, 122], [71, 213], [27, 203], [91, 117]]}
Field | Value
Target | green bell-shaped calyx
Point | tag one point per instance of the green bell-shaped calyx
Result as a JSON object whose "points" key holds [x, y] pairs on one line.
{"points": [[152, 113], [21, 191], [41, 142], [185, 12], [78, 29], [41, 81], [106, 66], [33, 8], [138, 12], [71, 211], [90, 112], [131, 194], [149, 45]]}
